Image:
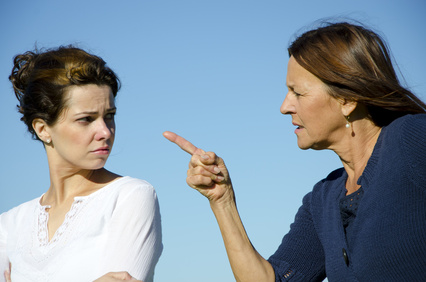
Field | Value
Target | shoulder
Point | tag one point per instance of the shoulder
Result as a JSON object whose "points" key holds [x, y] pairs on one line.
{"points": [[128, 183], [407, 134], [408, 138], [333, 179], [408, 124], [22, 209], [18, 214], [411, 118], [334, 175], [330, 186], [129, 186], [326, 189], [132, 192]]}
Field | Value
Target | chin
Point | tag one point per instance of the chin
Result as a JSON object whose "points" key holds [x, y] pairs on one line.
{"points": [[303, 146], [311, 145], [96, 166]]}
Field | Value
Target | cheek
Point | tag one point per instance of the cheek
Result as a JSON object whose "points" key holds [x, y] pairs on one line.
{"points": [[309, 115], [317, 120], [78, 138]]}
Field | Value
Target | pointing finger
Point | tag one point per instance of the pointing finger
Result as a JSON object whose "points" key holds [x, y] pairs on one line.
{"points": [[182, 143]]}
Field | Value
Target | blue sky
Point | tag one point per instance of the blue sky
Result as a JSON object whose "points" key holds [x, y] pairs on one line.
{"points": [[213, 72]]}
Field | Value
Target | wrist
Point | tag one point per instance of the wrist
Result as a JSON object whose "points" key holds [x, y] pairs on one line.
{"points": [[226, 202]]}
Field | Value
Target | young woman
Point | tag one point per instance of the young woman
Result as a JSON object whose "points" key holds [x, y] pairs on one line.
{"points": [[91, 223]]}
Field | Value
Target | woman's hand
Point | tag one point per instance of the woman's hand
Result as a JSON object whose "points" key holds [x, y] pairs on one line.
{"points": [[109, 277], [7, 274], [207, 172], [115, 277]]}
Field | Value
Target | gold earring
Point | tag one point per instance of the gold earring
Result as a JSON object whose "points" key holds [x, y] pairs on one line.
{"points": [[347, 122]]}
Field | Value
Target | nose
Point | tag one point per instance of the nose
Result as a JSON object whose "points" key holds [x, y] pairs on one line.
{"points": [[287, 107], [104, 130]]}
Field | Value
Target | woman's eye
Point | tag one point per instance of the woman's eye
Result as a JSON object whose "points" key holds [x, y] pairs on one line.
{"points": [[291, 89], [110, 116], [85, 119]]}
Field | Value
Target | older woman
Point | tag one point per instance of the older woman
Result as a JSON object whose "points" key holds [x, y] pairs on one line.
{"points": [[365, 221], [91, 222]]}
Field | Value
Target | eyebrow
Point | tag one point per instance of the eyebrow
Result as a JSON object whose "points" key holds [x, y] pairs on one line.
{"points": [[110, 110]]}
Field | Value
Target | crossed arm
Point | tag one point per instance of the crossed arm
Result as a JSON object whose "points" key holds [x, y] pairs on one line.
{"points": [[208, 174], [109, 277]]}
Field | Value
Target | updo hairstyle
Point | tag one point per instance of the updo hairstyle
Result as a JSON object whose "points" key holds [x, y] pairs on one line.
{"points": [[40, 80]]}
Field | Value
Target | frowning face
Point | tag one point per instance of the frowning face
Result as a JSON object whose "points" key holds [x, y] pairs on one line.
{"points": [[318, 116], [83, 136]]}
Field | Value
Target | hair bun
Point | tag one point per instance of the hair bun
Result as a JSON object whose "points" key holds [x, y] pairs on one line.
{"points": [[21, 72], [40, 79]]}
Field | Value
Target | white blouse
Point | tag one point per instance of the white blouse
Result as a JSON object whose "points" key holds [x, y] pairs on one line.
{"points": [[117, 228]]}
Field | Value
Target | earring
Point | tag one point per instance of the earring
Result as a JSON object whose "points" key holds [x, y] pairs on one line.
{"points": [[48, 141], [347, 122]]}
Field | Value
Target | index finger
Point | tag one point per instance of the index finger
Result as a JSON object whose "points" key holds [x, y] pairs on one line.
{"points": [[181, 142]]}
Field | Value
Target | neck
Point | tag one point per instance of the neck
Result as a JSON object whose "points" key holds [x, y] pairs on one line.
{"points": [[355, 150], [64, 186]]}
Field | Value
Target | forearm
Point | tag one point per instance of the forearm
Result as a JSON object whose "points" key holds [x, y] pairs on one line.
{"points": [[208, 174], [246, 263]]}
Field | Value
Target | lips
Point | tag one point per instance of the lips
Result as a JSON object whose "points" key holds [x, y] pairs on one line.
{"points": [[102, 150], [298, 129], [298, 125]]}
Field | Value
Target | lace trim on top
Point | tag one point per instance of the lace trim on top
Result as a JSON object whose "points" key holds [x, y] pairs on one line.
{"points": [[76, 207], [43, 218]]}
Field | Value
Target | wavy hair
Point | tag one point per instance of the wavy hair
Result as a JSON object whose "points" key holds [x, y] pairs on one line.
{"points": [[40, 80]]}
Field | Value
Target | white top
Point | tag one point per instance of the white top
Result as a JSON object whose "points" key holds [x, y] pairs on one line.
{"points": [[116, 228]]}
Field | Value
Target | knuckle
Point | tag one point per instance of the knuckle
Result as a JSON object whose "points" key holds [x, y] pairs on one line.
{"points": [[212, 155]]}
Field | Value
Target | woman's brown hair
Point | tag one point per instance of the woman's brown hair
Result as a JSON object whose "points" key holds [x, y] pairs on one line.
{"points": [[40, 80], [355, 64]]}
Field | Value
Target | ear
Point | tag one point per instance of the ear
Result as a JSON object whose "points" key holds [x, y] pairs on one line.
{"points": [[348, 107], [42, 130]]}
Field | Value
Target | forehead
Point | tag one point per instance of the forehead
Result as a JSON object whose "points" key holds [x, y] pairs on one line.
{"points": [[297, 76], [89, 97]]}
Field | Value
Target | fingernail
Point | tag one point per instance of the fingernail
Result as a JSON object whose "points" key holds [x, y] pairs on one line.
{"points": [[216, 169], [220, 178], [205, 157]]}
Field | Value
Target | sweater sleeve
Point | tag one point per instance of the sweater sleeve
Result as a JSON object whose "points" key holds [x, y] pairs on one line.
{"points": [[300, 257], [134, 242]]}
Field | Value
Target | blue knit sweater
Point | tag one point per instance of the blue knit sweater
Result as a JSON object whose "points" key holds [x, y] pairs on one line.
{"points": [[387, 239]]}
